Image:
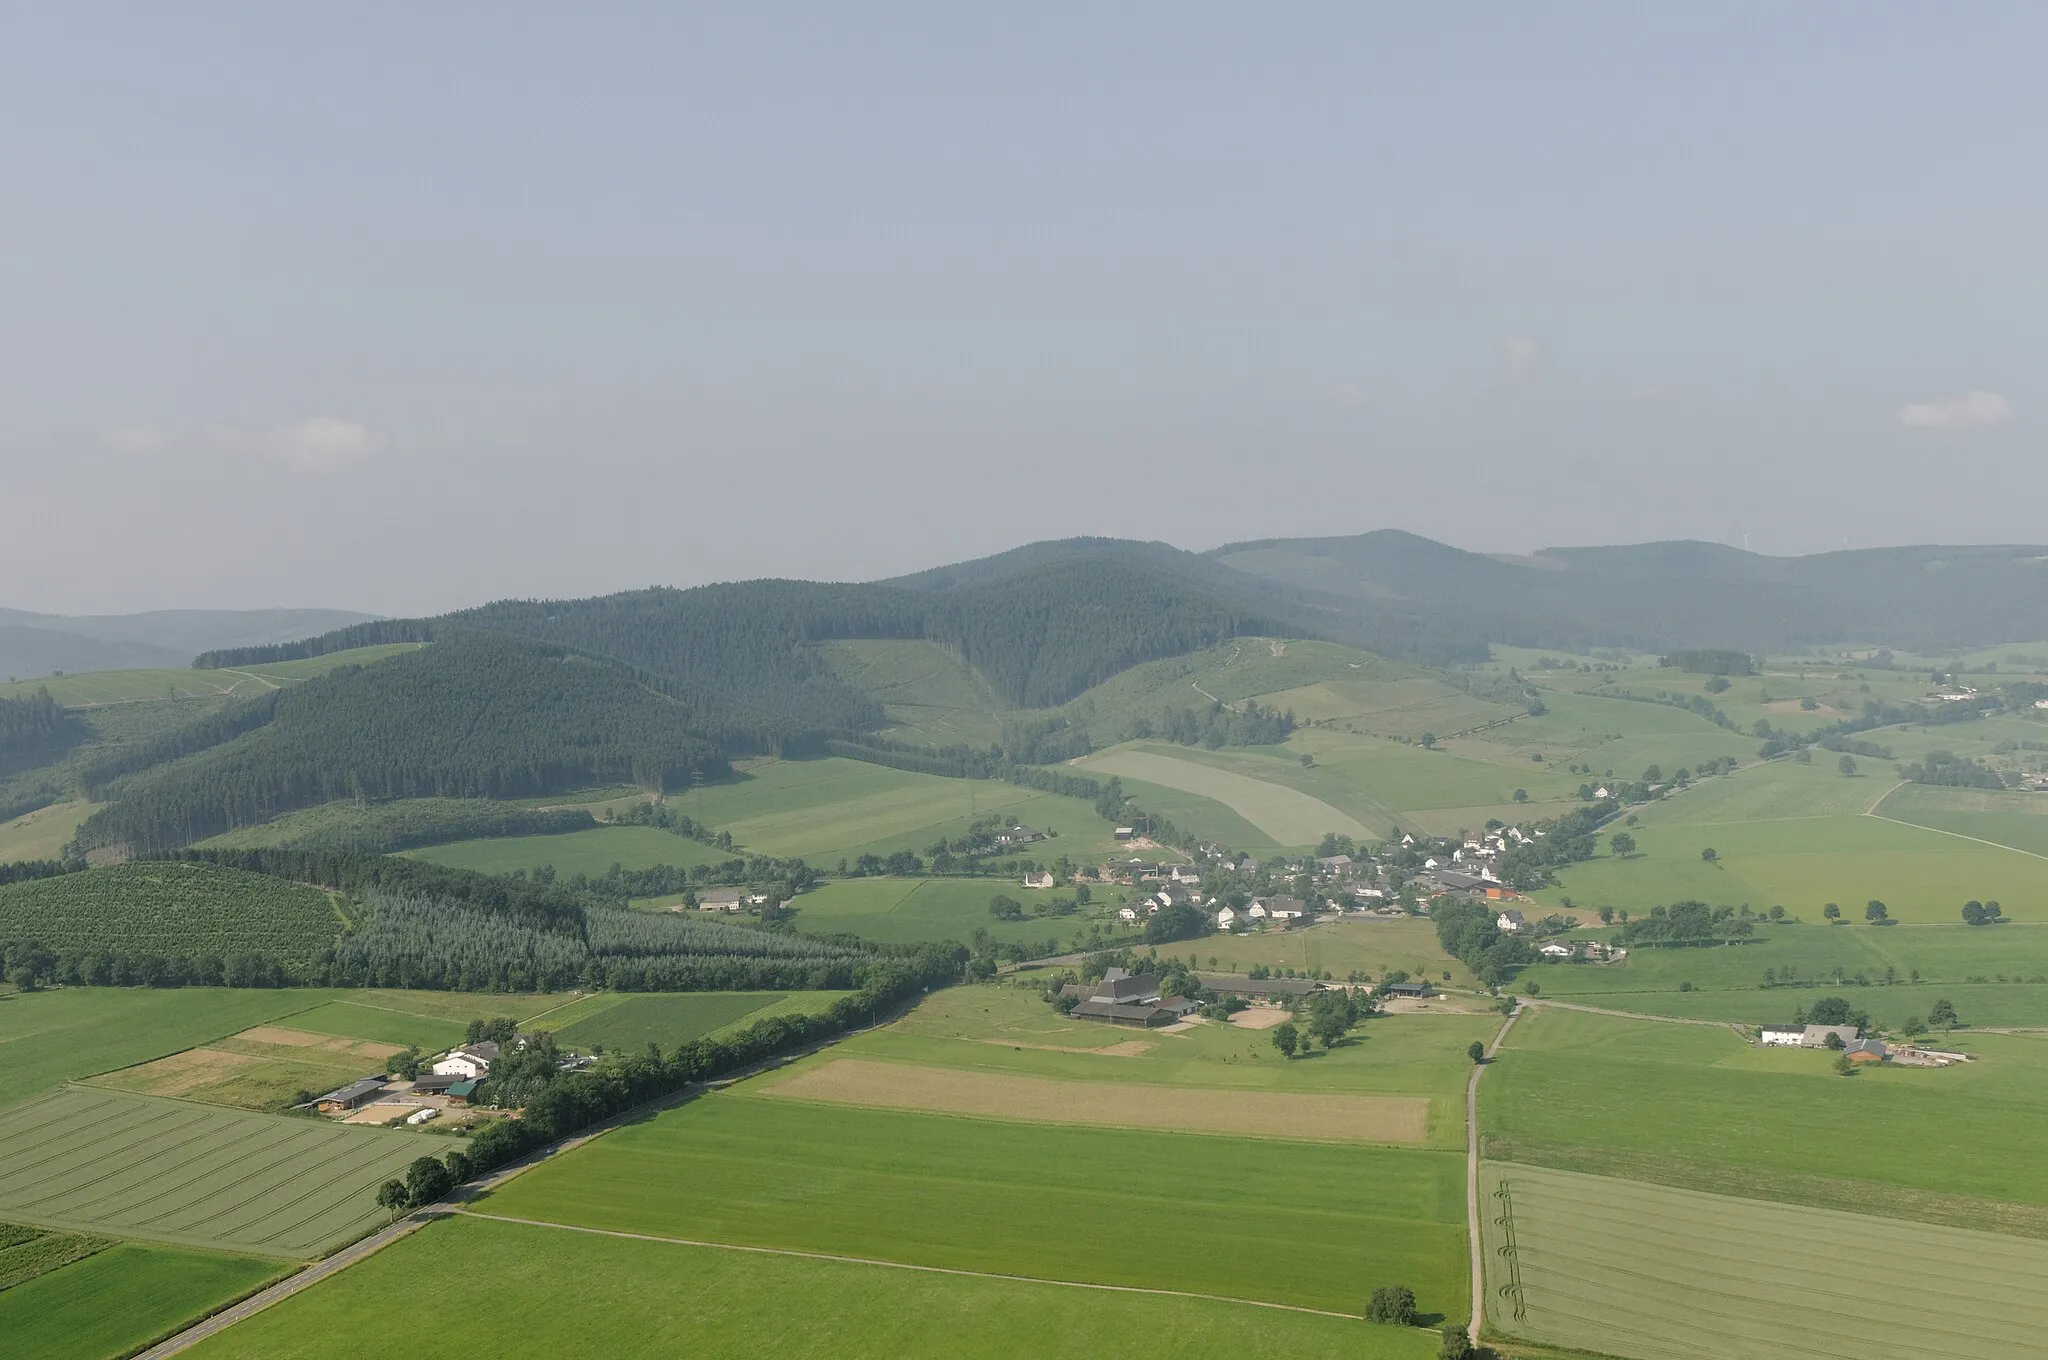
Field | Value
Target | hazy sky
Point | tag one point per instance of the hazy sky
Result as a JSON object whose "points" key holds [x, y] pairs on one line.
{"points": [[403, 307]]}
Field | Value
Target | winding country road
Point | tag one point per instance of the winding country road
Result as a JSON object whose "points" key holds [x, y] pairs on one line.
{"points": [[1472, 1176]]}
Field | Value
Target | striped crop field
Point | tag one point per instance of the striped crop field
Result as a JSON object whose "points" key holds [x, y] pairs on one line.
{"points": [[190, 1175], [1623, 1268]]}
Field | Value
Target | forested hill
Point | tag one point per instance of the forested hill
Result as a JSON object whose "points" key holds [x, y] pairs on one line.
{"points": [[478, 715], [1039, 636]]}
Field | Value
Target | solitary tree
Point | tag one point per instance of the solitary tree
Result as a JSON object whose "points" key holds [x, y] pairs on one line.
{"points": [[1428, 740], [1476, 1051], [1533, 987], [1607, 916], [1624, 844], [1709, 854], [427, 1180], [1832, 912], [1912, 1026], [1393, 1303], [1875, 911], [1286, 1038], [391, 1195], [1942, 1014], [1521, 795], [1847, 765], [1843, 1067]]}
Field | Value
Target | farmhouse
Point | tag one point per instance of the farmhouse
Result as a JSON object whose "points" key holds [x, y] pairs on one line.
{"points": [[1226, 918], [1867, 1051], [1412, 990], [471, 1062], [353, 1096], [1038, 880], [1782, 1036], [1511, 920], [1124, 833], [1019, 835], [1117, 987], [720, 899], [431, 1085], [1126, 913], [1111, 1013], [1554, 950], [1335, 864], [1816, 1036]]}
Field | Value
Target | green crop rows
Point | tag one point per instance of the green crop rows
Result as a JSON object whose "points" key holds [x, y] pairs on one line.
{"points": [[171, 910]]}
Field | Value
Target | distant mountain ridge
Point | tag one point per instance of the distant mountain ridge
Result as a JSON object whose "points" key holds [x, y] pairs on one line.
{"points": [[34, 645]]}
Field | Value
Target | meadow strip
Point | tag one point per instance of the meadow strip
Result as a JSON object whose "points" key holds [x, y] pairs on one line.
{"points": [[1267, 1114]]}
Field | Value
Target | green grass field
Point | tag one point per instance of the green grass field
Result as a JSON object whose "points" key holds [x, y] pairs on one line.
{"points": [[1335, 947], [1309, 1224], [2018, 820], [191, 1175], [551, 1293], [122, 1299], [51, 1037], [1624, 1268], [1011, 1029], [1986, 1005], [911, 910], [1804, 862], [44, 833], [928, 694], [671, 1019], [1700, 1093], [591, 853], [174, 910]]}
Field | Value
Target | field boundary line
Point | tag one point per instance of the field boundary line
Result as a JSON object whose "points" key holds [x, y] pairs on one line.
{"points": [[1477, 1248], [906, 1265], [1640, 1015], [1979, 840]]}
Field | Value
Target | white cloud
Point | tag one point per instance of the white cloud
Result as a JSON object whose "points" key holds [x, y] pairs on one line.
{"points": [[139, 441], [1522, 356], [320, 445], [1971, 411]]}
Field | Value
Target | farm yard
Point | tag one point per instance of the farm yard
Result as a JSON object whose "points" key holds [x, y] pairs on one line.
{"points": [[1624, 1268], [190, 1175]]}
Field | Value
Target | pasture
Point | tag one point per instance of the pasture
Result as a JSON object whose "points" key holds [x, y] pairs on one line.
{"points": [[51, 1037], [1287, 816], [1624, 1268], [1305, 1223], [1697, 1092], [96, 688], [2010, 1004], [567, 1293], [636, 1020], [591, 853], [928, 694], [44, 833], [190, 1175], [1338, 948], [114, 1303], [1804, 863], [1316, 1116], [2017, 820], [912, 910], [1009, 1029]]}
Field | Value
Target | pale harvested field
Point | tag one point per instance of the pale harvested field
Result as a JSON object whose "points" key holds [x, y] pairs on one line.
{"points": [[276, 1036], [1289, 816], [181, 1073], [1260, 1114]]}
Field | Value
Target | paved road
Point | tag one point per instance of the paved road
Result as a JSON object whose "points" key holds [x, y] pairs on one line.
{"points": [[1472, 1179]]}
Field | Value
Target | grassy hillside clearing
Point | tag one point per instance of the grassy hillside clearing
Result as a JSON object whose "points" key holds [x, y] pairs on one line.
{"points": [[591, 852], [822, 810], [928, 694], [43, 834], [121, 1300], [189, 1175], [1307, 1223], [50, 1037], [1665, 1274], [1698, 1092], [565, 1292], [1287, 816], [172, 910], [146, 686]]}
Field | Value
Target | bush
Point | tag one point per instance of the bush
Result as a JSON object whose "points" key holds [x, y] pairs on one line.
{"points": [[1394, 1303]]}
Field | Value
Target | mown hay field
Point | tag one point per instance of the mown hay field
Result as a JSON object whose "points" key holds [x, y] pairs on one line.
{"points": [[1623, 1268], [42, 834], [122, 1299], [258, 1069], [1306, 1223], [167, 1171], [50, 1037], [1319, 1116], [566, 1293]]}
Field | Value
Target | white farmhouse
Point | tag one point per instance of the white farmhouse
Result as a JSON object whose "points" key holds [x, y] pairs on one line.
{"points": [[471, 1062]]}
